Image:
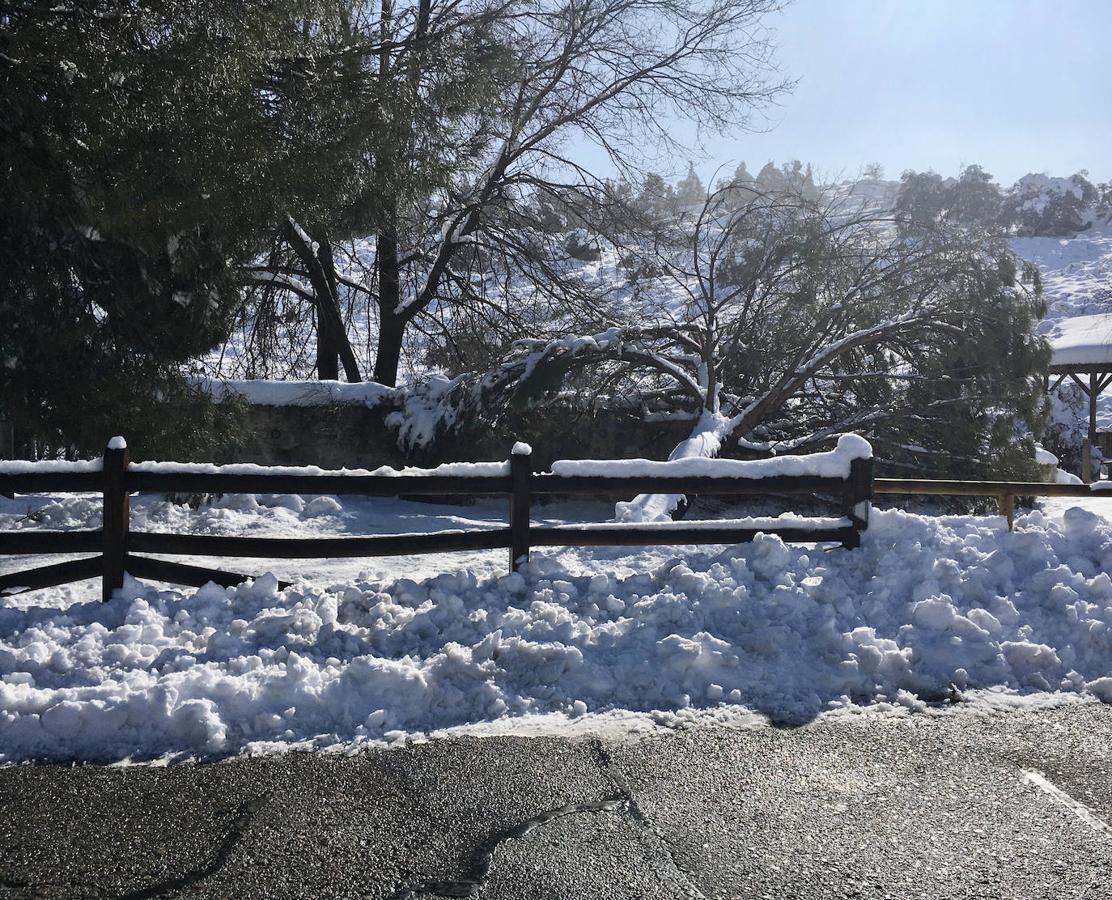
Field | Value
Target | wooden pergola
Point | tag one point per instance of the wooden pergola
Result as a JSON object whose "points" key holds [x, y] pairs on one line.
{"points": [[1081, 349]]}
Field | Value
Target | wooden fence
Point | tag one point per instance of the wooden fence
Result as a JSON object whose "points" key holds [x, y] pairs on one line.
{"points": [[120, 549], [1005, 492]]}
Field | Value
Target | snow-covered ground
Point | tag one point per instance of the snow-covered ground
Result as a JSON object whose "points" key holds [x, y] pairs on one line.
{"points": [[358, 651], [1077, 271], [927, 610]]}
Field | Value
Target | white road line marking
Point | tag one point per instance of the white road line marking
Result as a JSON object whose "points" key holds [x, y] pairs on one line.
{"points": [[1079, 809]]}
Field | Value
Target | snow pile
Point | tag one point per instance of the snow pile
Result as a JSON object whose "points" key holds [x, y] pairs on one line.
{"points": [[455, 470], [926, 609], [832, 464], [49, 466], [694, 457], [752, 523], [263, 392]]}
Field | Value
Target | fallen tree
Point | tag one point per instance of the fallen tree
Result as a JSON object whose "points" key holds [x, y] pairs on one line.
{"points": [[773, 323]]}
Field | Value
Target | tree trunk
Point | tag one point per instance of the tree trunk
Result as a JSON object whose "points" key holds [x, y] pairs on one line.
{"points": [[332, 339], [336, 334], [391, 323], [328, 356]]}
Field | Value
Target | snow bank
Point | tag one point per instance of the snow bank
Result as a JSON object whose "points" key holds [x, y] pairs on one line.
{"points": [[458, 469], [44, 466], [924, 605], [768, 523], [832, 464], [262, 392]]}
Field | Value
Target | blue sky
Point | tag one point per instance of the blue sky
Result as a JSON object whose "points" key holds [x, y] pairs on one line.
{"points": [[1015, 85]]}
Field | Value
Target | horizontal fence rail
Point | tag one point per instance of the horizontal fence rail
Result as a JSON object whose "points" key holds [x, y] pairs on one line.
{"points": [[339, 485], [119, 548], [319, 548], [1005, 492], [941, 488]]}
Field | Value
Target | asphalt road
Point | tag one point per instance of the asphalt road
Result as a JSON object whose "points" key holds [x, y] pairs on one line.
{"points": [[950, 805]]}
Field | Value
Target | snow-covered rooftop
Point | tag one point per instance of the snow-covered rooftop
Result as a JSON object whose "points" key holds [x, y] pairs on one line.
{"points": [[1081, 341]]}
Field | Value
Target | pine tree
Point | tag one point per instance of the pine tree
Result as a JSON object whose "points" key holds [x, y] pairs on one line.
{"points": [[656, 195], [770, 179], [135, 174], [690, 191]]}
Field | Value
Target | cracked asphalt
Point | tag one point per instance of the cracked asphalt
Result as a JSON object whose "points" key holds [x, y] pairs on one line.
{"points": [[855, 806]]}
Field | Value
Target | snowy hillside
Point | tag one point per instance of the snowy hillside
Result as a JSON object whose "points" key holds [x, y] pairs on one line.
{"points": [[1077, 281], [1077, 272]]}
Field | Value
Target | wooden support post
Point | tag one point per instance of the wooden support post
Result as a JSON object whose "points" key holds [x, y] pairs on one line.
{"points": [[521, 471], [7, 447], [117, 516], [857, 500], [1094, 392], [1007, 508], [1086, 461]]}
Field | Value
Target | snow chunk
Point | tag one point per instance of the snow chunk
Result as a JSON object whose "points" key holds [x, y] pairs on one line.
{"points": [[117, 443]]}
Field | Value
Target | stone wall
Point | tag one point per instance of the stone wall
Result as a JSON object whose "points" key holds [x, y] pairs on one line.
{"points": [[335, 436], [353, 436]]}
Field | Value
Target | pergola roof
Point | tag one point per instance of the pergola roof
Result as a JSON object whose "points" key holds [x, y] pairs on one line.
{"points": [[1081, 344]]}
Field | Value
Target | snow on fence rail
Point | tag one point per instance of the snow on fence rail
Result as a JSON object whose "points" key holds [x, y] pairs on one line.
{"points": [[845, 473]]}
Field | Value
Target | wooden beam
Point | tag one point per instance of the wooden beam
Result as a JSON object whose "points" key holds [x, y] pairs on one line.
{"points": [[51, 483], [944, 488], [116, 519], [678, 484], [1102, 368], [643, 537], [1081, 384], [51, 576], [1007, 509], [318, 548], [31, 540], [1093, 393], [275, 483], [180, 573], [521, 468]]}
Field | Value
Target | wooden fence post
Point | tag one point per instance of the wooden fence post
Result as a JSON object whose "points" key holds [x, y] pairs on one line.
{"points": [[521, 471], [858, 498], [1007, 508], [117, 516]]}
